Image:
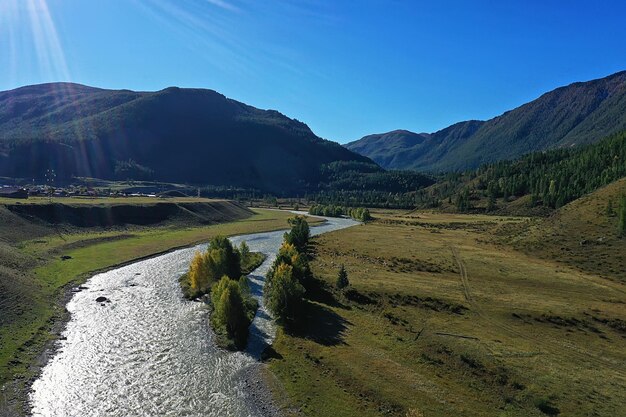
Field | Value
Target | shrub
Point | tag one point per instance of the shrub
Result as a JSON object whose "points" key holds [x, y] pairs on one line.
{"points": [[545, 406]]}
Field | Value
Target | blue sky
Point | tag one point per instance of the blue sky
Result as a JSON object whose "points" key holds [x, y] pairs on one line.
{"points": [[346, 68]]}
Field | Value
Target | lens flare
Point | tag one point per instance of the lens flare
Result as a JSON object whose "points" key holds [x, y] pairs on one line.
{"points": [[30, 40]]}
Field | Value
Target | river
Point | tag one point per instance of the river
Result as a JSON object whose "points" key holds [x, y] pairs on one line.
{"points": [[150, 352]]}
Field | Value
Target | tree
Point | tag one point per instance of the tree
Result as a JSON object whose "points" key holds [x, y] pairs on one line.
{"points": [[289, 255], [491, 203], [284, 295], [342, 278], [299, 233], [621, 217], [225, 257], [462, 200], [610, 211], [244, 252], [229, 312], [200, 273]]}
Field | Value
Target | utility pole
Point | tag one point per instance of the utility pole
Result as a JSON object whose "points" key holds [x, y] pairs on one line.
{"points": [[50, 176]]}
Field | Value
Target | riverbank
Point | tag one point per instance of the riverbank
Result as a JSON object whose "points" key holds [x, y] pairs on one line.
{"points": [[108, 348], [52, 264]]}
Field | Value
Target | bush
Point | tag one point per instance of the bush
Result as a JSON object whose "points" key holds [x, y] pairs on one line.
{"points": [[545, 406]]}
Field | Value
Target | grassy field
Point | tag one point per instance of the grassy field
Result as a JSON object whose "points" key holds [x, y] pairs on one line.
{"points": [[35, 273], [446, 319]]}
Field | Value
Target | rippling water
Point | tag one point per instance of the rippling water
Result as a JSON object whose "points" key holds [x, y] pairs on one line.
{"points": [[149, 352]]}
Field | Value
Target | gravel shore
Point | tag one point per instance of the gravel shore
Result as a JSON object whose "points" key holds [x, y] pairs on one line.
{"points": [[257, 393]]}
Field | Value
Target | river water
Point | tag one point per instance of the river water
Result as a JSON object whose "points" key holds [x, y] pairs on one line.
{"points": [[150, 352]]}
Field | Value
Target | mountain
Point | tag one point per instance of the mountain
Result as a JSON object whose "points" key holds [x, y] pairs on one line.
{"points": [[534, 184], [178, 135], [579, 113], [386, 148]]}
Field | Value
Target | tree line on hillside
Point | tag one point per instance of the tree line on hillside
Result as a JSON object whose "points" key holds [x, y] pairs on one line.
{"points": [[551, 179], [358, 213], [219, 271]]}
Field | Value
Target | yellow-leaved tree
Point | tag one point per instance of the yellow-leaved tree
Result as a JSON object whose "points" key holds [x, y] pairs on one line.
{"points": [[200, 272]]}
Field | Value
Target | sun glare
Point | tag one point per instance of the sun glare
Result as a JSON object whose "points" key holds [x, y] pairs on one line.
{"points": [[29, 25]]}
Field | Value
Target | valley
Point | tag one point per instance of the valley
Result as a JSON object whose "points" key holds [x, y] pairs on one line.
{"points": [[443, 317], [42, 262], [174, 251]]}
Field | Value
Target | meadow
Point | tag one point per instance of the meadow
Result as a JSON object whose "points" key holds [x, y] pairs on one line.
{"points": [[445, 318]]}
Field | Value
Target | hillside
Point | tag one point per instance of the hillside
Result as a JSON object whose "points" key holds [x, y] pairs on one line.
{"points": [[580, 234], [577, 114], [386, 149], [535, 183], [179, 135]]}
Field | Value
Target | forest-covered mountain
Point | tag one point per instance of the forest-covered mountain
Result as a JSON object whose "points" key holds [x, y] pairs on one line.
{"points": [[548, 179], [177, 135], [579, 113]]}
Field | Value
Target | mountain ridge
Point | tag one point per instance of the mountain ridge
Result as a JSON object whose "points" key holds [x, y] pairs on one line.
{"points": [[175, 134], [579, 113]]}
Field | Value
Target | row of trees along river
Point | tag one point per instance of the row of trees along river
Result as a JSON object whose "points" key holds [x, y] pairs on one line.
{"points": [[219, 273]]}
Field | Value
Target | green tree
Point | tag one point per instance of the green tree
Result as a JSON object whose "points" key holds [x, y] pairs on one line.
{"points": [[610, 211], [244, 252], [621, 217], [299, 233], [289, 255], [491, 203], [462, 200], [342, 278], [284, 295], [229, 311], [225, 257]]}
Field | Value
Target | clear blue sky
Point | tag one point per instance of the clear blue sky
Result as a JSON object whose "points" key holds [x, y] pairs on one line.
{"points": [[346, 68]]}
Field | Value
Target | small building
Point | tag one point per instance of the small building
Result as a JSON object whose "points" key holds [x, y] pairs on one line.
{"points": [[13, 192]]}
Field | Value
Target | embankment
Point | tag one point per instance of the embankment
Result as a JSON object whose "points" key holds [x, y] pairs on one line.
{"points": [[121, 214]]}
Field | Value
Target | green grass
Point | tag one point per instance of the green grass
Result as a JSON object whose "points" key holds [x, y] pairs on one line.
{"points": [[531, 334], [37, 308]]}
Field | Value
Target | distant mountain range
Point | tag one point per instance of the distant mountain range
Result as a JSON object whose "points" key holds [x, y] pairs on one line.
{"points": [[177, 135], [580, 113]]}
